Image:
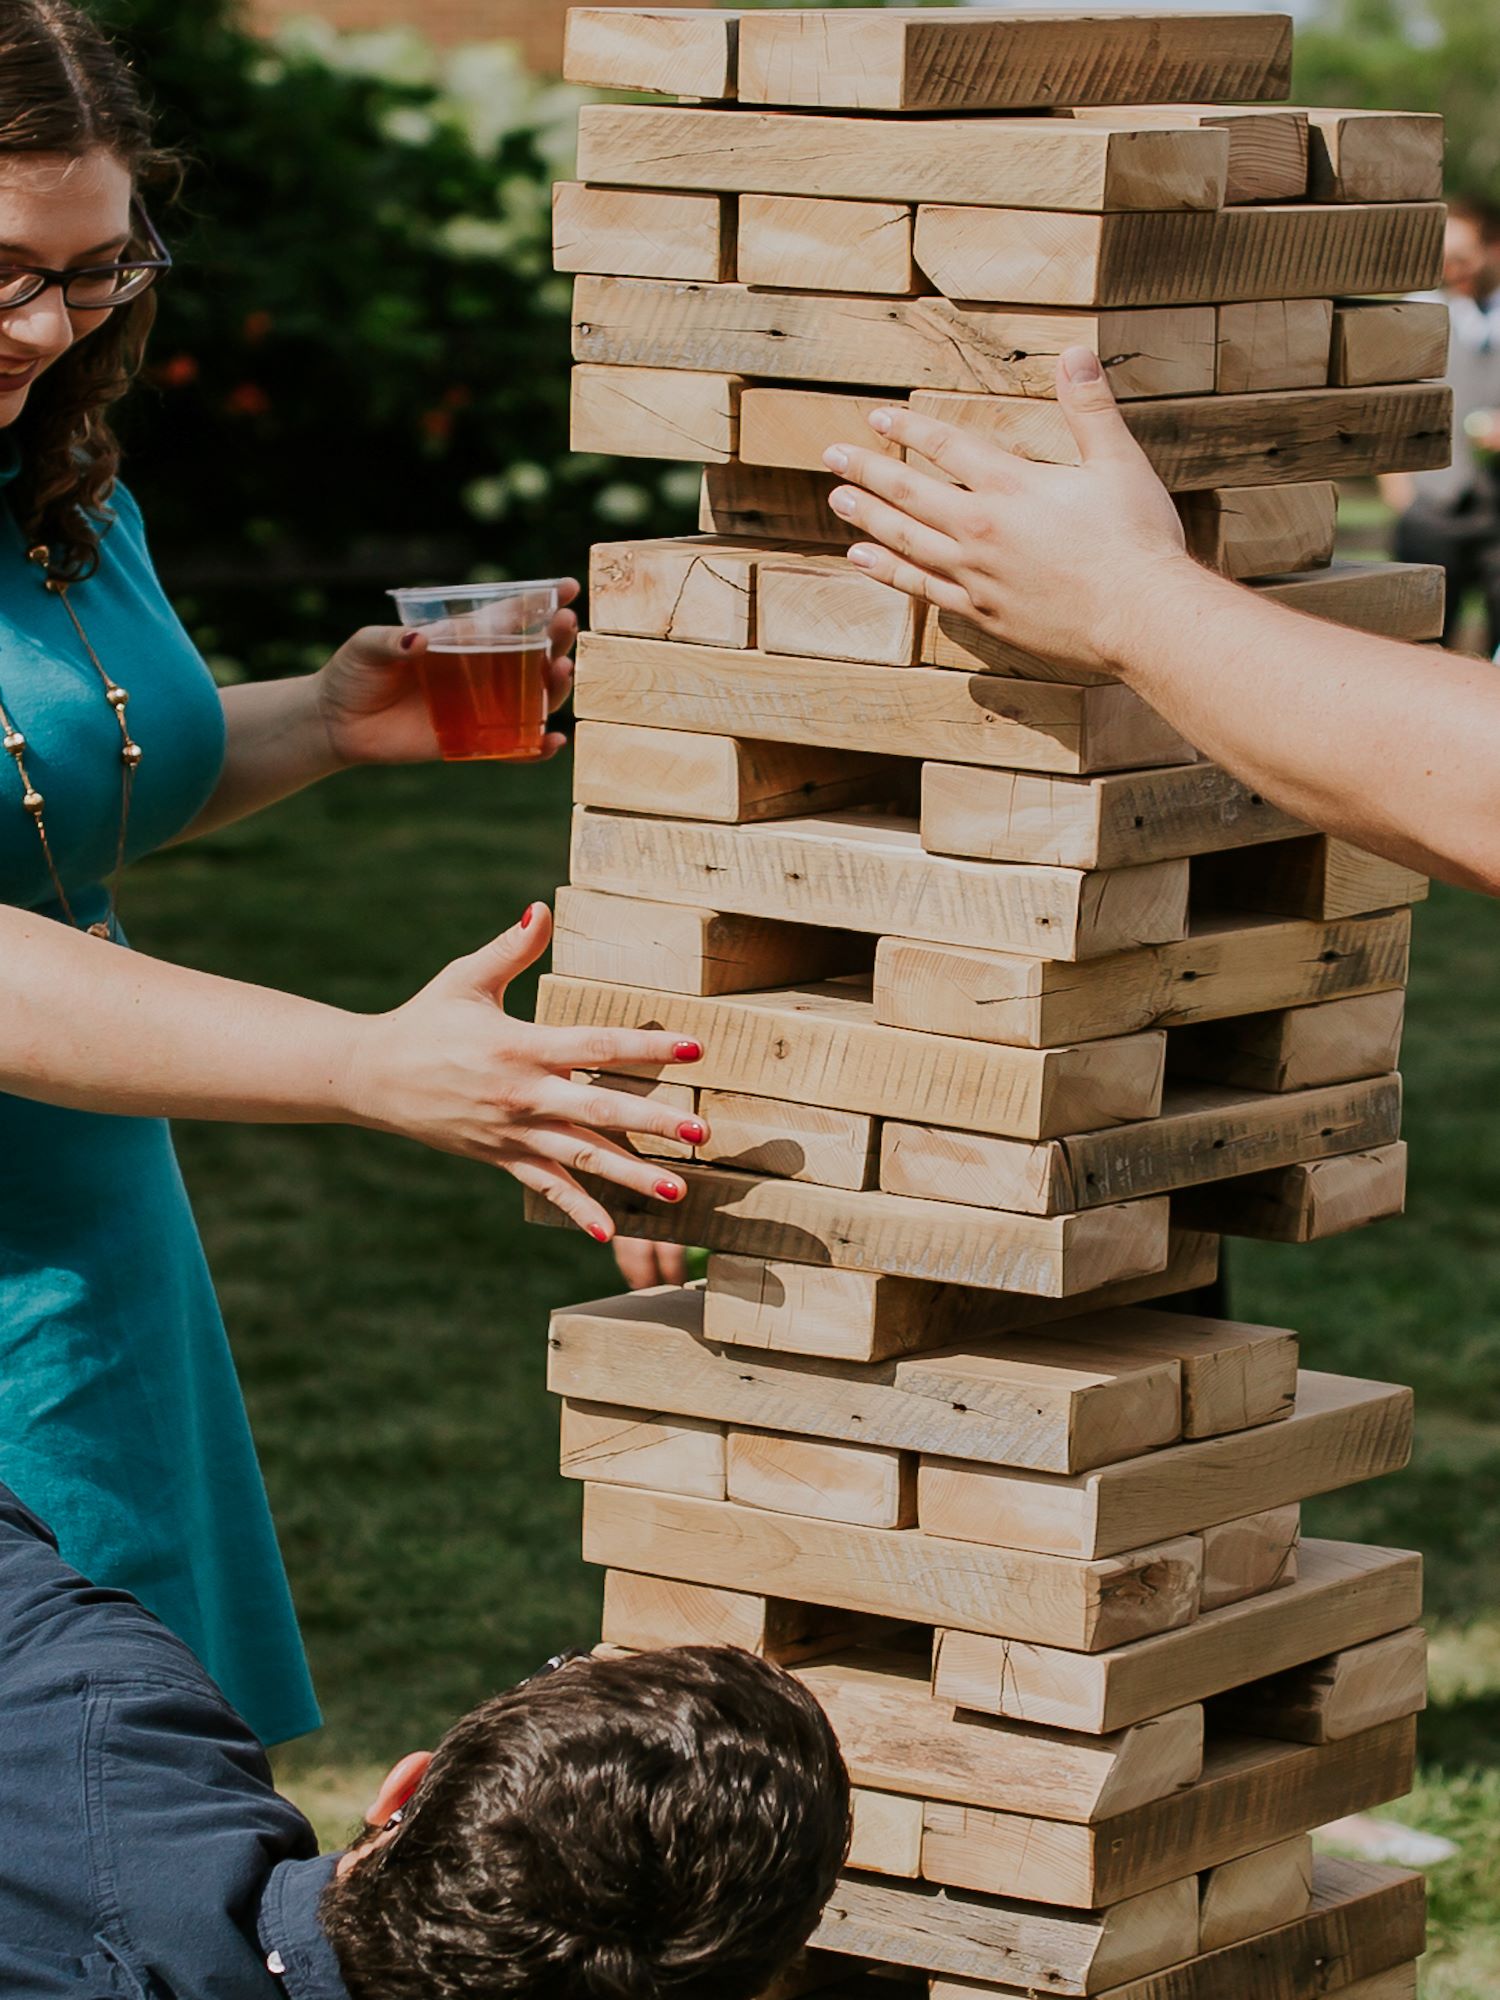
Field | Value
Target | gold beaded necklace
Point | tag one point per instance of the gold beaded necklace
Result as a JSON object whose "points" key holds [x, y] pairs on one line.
{"points": [[32, 801]]}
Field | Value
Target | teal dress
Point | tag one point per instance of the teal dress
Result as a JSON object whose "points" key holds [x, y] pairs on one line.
{"points": [[121, 1419]]}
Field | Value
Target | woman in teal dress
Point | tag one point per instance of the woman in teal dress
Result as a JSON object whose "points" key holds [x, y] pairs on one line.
{"points": [[121, 1419]]}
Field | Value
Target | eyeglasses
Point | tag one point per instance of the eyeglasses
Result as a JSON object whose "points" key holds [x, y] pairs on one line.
{"points": [[91, 287]]}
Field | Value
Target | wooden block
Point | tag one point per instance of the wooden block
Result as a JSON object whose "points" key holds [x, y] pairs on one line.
{"points": [[672, 51], [793, 427], [1120, 821], [894, 1735], [1344, 1594], [821, 1045], [951, 60], [1318, 878], [674, 773], [685, 587], [681, 1097], [1027, 1945], [644, 1612], [1043, 163], [785, 507], [624, 940], [1258, 1892], [1396, 600], [958, 719], [869, 871], [1388, 340], [868, 1484], [1083, 1606], [821, 608], [1336, 1697], [1364, 1920], [647, 1351], [619, 1447], [1244, 1558], [655, 413], [1274, 344], [885, 1833], [1306, 1202], [1222, 256], [1225, 966], [1375, 156], [642, 233], [1206, 1133], [1298, 1048], [925, 343], [796, 1142], [1267, 143], [1252, 531], [1341, 1431], [763, 1302], [802, 243], [1274, 438], [1251, 1795]]}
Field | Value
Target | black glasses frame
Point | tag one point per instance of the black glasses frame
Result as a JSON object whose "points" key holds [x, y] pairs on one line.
{"points": [[159, 261]]}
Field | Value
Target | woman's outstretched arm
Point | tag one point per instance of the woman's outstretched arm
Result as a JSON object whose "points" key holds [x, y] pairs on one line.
{"points": [[1392, 746]]}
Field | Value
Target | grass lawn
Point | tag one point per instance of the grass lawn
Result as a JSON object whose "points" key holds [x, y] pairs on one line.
{"points": [[388, 1310]]}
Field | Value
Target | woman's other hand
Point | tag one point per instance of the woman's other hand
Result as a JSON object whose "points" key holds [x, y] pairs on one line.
{"points": [[644, 1263], [454, 1070], [372, 706]]}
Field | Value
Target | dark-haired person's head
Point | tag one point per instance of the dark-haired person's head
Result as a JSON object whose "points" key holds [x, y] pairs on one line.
{"points": [[664, 1826], [1471, 247]]}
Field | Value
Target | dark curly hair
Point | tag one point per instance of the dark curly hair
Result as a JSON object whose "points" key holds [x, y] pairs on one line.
{"points": [[65, 88], [665, 1826]]}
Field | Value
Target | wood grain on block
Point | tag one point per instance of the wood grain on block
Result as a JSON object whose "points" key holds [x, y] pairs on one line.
{"points": [[1273, 438], [956, 719], [1318, 878], [1206, 1132], [862, 1316], [1396, 600], [870, 1485], [1246, 1557], [1255, 1893], [1025, 1945], [1336, 1697], [678, 1097], [655, 413], [1225, 966], [1220, 257], [1274, 344], [620, 1447], [1345, 1593], [1296, 1048], [1306, 1202], [804, 243], [642, 232], [1375, 156], [1388, 340], [670, 51], [1253, 531], [794, 427], [644, 1612], [785, 507], [684, 587], [627, 941], [885, 1833], [820, 607], [1341, 1431], [1267, 143], [621, 767], [953, 60], [1119, 821], [868, 871], [1251, 1794], [1086, 1607], [1042, 163], [894, 1735], [822, 1045], [796, 1142], [649, 1352]]}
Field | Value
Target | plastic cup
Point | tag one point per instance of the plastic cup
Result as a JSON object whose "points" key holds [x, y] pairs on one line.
{"points": [[484, 670]]}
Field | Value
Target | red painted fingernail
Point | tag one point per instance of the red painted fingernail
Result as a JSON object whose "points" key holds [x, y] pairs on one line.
{"points": [[669, 1191], [408, 640], [688, 1052], [599, 1233], [692, 1132], [526, 916]]}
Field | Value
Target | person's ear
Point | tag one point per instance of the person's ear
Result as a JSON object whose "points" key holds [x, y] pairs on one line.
{"points": [[397, 1786]]}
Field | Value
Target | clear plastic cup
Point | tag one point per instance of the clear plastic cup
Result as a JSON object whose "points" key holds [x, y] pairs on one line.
{"points": [[484, 670]]}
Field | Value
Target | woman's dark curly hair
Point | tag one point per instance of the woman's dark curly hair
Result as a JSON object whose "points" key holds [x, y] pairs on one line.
{"points": [[65, 88]]}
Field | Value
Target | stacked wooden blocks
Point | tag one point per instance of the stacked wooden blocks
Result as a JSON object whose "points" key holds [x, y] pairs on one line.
{"points": [[1010, 1005]]}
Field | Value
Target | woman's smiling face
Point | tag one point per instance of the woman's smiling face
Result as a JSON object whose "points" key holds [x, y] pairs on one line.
{"points": [[56, 213]]}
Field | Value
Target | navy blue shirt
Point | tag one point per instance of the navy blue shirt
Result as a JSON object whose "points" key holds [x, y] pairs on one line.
{"points": [[144, 1852]]}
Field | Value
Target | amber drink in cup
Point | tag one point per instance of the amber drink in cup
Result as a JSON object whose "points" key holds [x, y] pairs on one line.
{"points": [[483, 671]]}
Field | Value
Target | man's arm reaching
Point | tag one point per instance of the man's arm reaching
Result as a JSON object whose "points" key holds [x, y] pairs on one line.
{"points": [[1394, 747]]}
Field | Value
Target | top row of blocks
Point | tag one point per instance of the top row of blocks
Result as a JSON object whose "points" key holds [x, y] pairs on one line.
{"points": [[930, 59]]}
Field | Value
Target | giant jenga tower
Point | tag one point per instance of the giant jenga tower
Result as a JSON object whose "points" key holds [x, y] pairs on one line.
{"points": [[943, 918]]}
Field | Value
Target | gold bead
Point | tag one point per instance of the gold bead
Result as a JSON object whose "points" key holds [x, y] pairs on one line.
{"points": [[34, 803], [117, 698], [132, 754], [14, 742], [101, 931]]}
